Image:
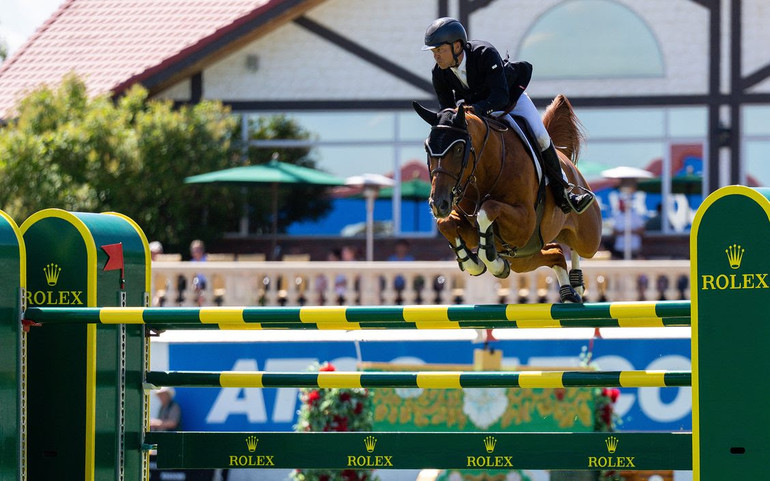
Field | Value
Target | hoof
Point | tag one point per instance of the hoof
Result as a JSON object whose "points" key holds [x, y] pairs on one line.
{"points": [[483, 270], [568, 294], [506, 270]]}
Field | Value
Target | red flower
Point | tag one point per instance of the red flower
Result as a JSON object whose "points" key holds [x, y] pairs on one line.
{"points": [[313, 396], [611, 393], [327, 367], [359, 408], [340, 423], [559, 393], [344, 396], [607, 414], [614, 394], [323, 477], [349, 475]]}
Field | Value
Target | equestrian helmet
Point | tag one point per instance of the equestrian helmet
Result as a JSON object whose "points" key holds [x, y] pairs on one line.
{"points": [[444, 30]]}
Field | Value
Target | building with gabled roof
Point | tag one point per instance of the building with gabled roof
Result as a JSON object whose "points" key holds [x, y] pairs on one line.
{"points": [[644, 76]]}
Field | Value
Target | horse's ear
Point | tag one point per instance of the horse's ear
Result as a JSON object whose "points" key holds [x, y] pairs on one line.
{"points": [[460, 117], [426, 114]]}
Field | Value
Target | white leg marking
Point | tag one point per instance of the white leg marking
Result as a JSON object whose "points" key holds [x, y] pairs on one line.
{"points": [[561, 275], [496, 266]]}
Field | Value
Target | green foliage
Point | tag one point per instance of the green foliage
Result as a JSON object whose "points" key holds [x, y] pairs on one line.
{"points": [[334, 410], [69, 150], [297, 201]]}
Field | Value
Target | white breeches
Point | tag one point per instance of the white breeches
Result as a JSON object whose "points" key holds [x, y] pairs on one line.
{"points": [[525, 108]]}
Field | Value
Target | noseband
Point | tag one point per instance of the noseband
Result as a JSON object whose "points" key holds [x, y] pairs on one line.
{"points": [[458, 191]]}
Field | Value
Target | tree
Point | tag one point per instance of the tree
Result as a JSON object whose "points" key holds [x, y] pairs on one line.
{"points": [[296, 201], [131, 155]]}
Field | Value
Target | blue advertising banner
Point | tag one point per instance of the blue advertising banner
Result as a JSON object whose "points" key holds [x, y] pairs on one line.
{"points": [[256, 409]]}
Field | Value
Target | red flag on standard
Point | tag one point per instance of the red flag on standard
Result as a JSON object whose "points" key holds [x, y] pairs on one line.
{"points": [[114, 259]]}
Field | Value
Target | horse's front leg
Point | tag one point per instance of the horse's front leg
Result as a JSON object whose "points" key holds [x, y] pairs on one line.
{"points": [[492, 211], [462, 238]]}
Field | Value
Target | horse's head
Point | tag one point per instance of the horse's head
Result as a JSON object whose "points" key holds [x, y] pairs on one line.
{"points": [[448, 147]]}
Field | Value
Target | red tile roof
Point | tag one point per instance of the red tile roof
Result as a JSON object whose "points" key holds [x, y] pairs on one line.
{"points": [[115, 43]]}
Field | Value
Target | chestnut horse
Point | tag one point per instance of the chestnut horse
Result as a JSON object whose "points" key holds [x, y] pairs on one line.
{"points": [[485, 193]]}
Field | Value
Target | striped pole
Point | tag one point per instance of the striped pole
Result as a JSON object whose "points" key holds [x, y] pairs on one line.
{"points": [[421, 379], [603, 314]]}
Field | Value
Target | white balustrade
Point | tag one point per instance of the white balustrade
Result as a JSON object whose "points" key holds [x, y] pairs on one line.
{"points": [[373, 283]]}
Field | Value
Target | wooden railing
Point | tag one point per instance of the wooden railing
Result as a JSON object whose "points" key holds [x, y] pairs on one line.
{"points": [[291, 283]]}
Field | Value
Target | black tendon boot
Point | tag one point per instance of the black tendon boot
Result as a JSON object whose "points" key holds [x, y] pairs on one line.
{"points": [[565, 199]]}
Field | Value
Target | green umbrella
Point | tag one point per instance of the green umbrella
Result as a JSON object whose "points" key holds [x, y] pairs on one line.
{"points": [[272, 173], [680, 184], [415, 190]]}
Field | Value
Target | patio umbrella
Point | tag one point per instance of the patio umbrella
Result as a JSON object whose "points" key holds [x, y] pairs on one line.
{"points": [[272, 173], [415, 190], [372, 183]]}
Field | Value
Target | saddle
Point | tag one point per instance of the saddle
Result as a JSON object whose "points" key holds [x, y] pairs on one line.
{"points": [[535, 242]]}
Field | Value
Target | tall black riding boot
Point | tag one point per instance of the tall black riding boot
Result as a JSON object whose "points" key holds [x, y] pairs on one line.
{"points": [[565, 199]]}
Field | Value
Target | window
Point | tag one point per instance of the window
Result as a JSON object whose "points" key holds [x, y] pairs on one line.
{"points": [[592, 39]]}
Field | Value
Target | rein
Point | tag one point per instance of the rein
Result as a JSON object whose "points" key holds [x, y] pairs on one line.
{"points": [[458, 191]]}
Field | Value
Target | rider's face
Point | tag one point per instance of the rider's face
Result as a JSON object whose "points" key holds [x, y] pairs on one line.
{"points": [[443, 56]]}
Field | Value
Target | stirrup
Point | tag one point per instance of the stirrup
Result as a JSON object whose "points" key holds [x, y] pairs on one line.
{"points": [[579, 202]]}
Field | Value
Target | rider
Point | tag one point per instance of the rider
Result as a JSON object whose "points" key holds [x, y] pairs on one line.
{"points": [[474, 71]]}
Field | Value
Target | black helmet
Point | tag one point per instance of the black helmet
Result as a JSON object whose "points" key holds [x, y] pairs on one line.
{"points": [[444, 30]]}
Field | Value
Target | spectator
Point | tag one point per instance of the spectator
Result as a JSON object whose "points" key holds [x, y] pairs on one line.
{"points": [[347, 254], [655, 223], [161, 283], [198, 254], [400, 254], [156, 248], [322, 281], [619, 231], [170, 414]]}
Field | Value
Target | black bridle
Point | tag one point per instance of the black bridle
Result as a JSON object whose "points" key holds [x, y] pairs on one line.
{"points": [[458, 191]]}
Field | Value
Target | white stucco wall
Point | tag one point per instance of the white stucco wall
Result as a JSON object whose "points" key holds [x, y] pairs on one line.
{"points": [[296, 64]]}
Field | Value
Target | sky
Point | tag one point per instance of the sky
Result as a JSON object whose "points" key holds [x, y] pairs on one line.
{"points": [[20, 18]]}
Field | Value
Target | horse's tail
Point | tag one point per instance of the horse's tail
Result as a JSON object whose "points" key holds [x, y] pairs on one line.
{"points": [[564, 127]]}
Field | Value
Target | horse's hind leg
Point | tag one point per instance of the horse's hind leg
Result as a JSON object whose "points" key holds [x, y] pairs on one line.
{"points": [[553, 256], [576, 274]]}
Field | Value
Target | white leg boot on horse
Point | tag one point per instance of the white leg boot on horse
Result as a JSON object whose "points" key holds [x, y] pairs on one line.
{"points": [[485, 195], [467, 260], [498, 266]]}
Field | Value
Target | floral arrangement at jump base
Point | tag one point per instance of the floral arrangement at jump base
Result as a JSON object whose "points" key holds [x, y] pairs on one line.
{"points": [[605, 417], [334, 410]]}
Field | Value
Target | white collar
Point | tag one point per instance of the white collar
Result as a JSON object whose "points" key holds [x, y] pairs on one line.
{"points": [[461, 72]]}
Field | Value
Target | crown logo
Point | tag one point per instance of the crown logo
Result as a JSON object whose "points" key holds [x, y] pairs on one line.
{"points": [[612, 444], [52, 272], [735, 255], [251, 443], [370, 442], [489, 443]]}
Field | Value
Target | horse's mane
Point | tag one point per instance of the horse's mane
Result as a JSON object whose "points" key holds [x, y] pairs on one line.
{"points": [[564, 127]]}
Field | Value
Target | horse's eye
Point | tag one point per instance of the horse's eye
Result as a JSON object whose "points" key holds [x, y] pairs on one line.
{"points": [[459, 148]]}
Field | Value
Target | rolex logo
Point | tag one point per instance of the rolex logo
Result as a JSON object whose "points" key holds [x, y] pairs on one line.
{"points": [[251, 443], [370, 442], [612, 444], [735, 255], [52, 272], [489, 443]]}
